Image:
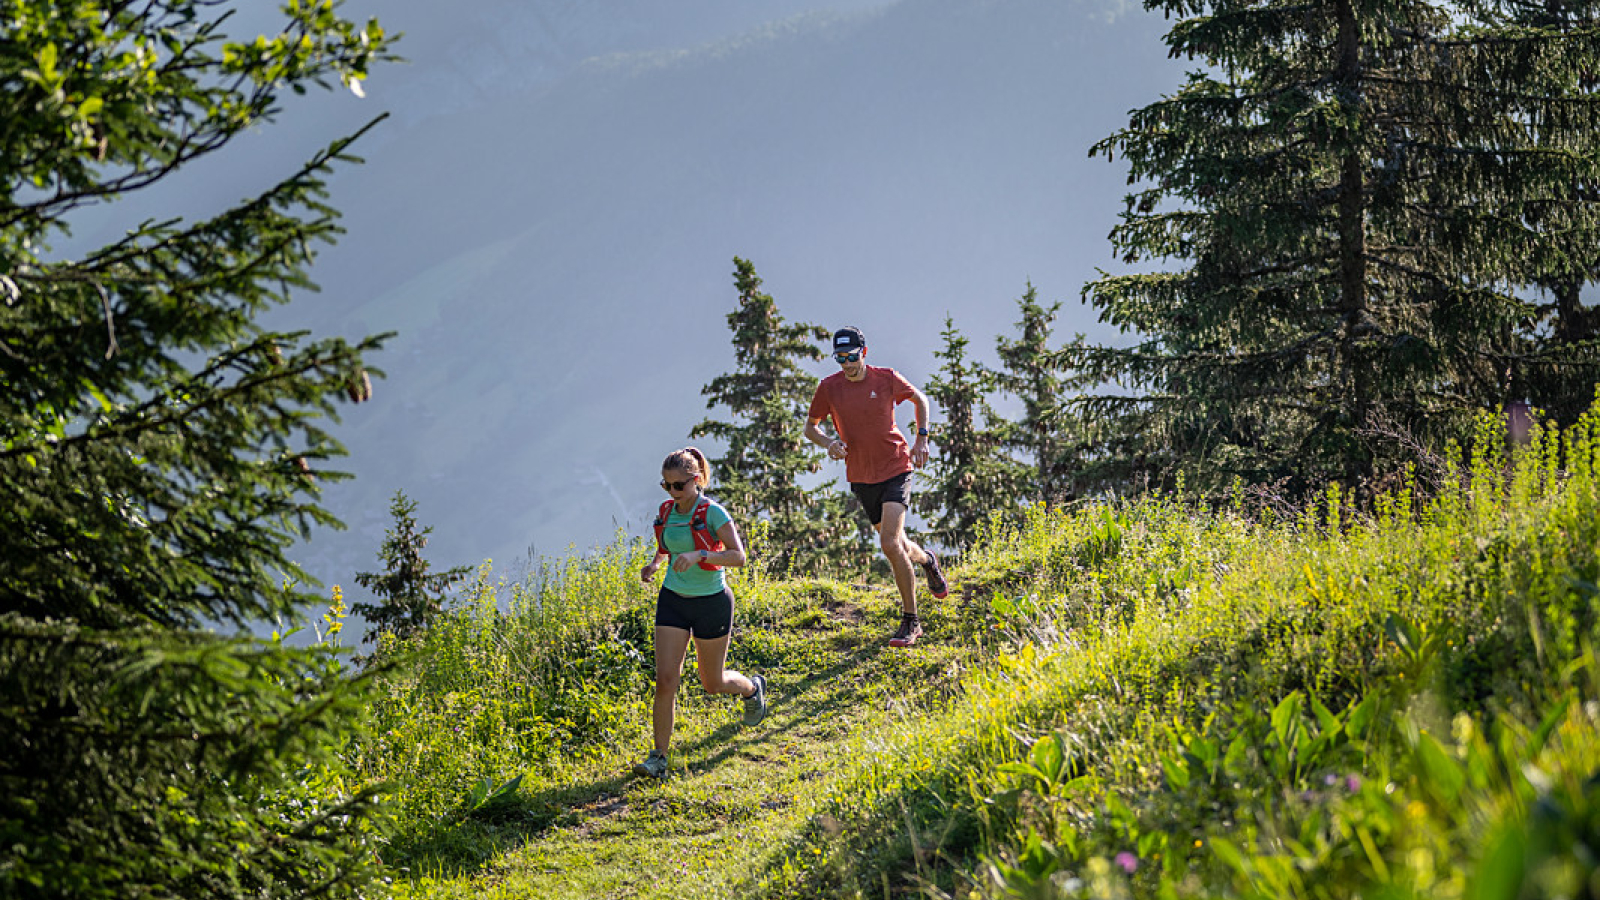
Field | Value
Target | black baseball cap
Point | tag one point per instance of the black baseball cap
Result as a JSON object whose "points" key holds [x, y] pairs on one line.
{"points": [[848, 338]]}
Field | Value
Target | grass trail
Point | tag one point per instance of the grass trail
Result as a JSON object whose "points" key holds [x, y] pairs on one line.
{"points": [[735, 796]]}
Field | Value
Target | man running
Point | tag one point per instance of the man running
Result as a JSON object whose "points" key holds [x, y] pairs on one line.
{"points": [[861, 399]]}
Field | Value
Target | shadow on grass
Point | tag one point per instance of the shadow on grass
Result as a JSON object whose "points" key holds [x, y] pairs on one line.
{"points": [[734, 738], [463, 843]]}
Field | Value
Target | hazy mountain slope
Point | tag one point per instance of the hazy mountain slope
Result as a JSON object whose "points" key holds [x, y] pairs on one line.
{"points": [[557, 261]]}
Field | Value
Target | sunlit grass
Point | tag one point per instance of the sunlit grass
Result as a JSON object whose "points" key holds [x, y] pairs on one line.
{"points": [[1144, 631], [1138, 698]]}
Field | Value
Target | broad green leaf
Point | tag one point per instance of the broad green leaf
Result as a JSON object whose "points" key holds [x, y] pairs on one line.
{"points": [[1440, 773], [1177, 774], [1286, 718], [1500, 873], [1326, 720], [1238, 748], [1552, 720], [1404, 634], [1230, 855], [1048, 757], [1360, 716]]}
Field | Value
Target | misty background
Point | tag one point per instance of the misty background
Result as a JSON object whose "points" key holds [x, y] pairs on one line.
{"points": [[548, 219]]}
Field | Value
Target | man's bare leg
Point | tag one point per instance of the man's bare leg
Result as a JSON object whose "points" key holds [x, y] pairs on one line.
{"points": [[902, 553]]}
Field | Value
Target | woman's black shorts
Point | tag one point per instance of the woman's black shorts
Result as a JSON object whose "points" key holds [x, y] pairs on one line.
{"points": [[705, 617]]}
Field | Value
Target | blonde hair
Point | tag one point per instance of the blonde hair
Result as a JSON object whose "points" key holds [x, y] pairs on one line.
{"points": [[690, 460]]}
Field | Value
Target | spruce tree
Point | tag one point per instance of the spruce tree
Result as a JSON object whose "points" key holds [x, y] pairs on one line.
{"points": [[1350, 193], [160, 453], [1558, 370], [1046, 435], [759, 475], [410, 597], [972, 476]]}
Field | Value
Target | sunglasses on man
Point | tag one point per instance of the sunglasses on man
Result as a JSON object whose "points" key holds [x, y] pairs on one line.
{"points": [[851, 356]]}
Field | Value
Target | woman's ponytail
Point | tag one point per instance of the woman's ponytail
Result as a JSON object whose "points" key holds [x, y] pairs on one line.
{"points": [[690, 460]]}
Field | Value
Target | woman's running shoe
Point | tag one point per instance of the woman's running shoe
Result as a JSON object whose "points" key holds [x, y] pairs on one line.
{"points": [[653, 765], [755, 705]]}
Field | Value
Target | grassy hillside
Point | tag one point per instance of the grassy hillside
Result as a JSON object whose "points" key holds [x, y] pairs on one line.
{"points": [[1141, 698]]}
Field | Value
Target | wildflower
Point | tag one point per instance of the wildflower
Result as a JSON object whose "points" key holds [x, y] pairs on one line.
{"points": [[1069, 884], [1353, 783], [1128, 862]]}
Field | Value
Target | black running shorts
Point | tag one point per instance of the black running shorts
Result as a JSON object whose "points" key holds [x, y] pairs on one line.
{"points": [[705, 617], [874, 496]]}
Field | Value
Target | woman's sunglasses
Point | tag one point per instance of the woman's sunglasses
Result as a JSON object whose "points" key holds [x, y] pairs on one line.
{"points": [[676, 485], [852, 356]]}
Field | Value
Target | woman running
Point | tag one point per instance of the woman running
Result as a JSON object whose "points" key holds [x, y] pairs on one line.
{"points": [[699, 537]]}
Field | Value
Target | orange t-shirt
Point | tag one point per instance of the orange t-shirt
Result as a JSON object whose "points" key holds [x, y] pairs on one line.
{"points": [[863, 414]]}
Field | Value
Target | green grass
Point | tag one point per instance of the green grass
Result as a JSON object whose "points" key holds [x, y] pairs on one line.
{"points": [[1144, 698], [584, 826], [1186, 722]]}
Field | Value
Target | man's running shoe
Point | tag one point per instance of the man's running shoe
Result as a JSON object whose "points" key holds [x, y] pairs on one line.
{"points": [[936, 583], [755, 705], [910, 629], [653, 766]]}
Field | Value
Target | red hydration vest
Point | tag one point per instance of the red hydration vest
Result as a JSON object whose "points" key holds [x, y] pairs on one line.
{"points": [[703, 538]]}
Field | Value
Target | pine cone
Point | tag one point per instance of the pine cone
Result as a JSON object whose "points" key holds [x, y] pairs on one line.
{"points": [[360, 387]]}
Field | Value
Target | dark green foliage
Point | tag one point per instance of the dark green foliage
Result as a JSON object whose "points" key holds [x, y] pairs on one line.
{"points": [[1366, 197], [759, 475], [1032, 372], [158, 456], [409, 596], [1558, 373], [972, 476], [144, 762]]}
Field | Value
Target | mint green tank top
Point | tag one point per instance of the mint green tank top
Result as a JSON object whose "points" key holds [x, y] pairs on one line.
{"points": [[696, 582]]}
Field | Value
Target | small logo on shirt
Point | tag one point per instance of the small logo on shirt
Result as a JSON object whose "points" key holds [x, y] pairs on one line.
{"points": [[872, 395]]}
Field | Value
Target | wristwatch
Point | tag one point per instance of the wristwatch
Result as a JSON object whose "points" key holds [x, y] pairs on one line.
{"points": [[922, 432]]}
